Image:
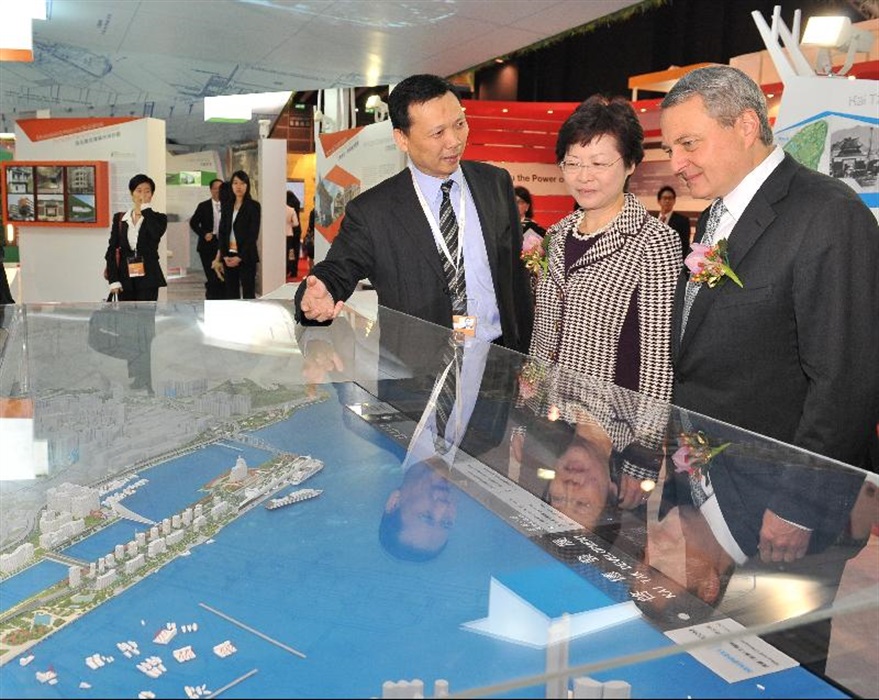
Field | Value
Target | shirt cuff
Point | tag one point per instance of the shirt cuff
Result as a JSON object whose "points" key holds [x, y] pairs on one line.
{"points": [[791, 522]]}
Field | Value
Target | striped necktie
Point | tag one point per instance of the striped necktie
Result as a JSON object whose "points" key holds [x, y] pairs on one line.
{"points": [[714, 217], [445, 399], [448, 225]]}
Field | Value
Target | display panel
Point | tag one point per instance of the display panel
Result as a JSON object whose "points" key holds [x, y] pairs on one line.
{"points": [[206, 497], [56, 194]]}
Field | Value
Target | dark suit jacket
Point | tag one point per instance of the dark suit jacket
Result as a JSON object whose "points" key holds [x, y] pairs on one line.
{"points": [[681, 224], [202, 222], [793, 355], [386, 238], [246, 230], [151, 231]]}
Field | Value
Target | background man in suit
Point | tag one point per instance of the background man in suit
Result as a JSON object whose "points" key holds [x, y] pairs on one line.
{"points": [[794, 353], [394, 234], [667, 215], [205, 223]]}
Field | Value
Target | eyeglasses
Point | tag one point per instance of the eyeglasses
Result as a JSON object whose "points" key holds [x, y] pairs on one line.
{"points": [[569, 167]]}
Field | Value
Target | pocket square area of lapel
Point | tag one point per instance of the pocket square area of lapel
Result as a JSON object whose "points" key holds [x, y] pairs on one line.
{"points": [[741, 297]]}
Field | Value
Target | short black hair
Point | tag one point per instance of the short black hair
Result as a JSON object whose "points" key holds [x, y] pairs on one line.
{"points": [[138, 180], [415, 90], [523, 194], [664, 189], [603, 116], [216, 179]]}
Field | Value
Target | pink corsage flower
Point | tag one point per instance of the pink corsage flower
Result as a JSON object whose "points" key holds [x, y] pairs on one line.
{"points": [[709, 264], [694, 453], [534, 252]]}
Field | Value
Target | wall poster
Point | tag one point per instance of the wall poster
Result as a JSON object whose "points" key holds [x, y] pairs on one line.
{"points": [[56, 193]]}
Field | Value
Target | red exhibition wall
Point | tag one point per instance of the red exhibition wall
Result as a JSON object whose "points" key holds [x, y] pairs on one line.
{"points": [[520, 136]]}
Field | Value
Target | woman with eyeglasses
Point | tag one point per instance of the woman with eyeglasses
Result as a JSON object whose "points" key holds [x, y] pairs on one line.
{"points": [[604, 306]]}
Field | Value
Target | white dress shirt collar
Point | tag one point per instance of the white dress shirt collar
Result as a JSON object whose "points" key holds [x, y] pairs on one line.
{"points": [[430, 185], [738, 200]]}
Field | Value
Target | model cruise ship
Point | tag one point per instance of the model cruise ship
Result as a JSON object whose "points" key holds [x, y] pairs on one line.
{"points": [[294, 497]]}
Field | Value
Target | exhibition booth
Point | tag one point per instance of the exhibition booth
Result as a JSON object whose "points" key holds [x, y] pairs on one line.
{"points": [[202, 497]]}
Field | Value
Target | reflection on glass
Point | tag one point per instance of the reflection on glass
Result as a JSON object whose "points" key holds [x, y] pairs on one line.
{"points": [[420, 514]]}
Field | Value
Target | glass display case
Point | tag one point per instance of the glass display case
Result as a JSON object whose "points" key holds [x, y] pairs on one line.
{"points": [[203, 498]]}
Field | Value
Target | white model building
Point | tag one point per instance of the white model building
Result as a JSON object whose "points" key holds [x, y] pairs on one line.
{"points": [[220, 509], [53, 538], [239, 471], [79, 501], [105, 580], [119, 551], [15, 560], [133, 565]]}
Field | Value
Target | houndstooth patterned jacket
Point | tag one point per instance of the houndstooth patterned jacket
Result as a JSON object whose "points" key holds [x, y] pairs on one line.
{"points": [[578, 318]]}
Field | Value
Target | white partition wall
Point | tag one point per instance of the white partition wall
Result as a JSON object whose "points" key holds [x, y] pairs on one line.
{"points": [[272, 198], [67, 264]]}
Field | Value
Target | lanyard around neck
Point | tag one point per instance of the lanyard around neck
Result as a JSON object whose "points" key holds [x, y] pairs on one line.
{"points": [[434, 224]]}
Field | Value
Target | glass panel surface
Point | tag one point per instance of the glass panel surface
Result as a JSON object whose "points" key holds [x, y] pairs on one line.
{"points": [[204, 497]]}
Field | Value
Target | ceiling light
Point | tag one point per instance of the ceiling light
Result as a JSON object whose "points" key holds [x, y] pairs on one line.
{"points": [[237, 109], [227, 108], [378, 107], [829, 33]]}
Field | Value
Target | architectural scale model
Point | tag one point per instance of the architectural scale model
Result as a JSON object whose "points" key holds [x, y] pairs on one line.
{"points": [[73, 513]]}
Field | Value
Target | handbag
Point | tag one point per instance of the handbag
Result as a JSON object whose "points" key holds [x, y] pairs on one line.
{"points": [[117, 217]]}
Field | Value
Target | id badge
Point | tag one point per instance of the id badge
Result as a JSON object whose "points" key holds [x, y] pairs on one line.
{"points": [[465, 325], [135, 267]]}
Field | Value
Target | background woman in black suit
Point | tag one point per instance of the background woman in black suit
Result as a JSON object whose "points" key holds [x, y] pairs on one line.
{"points": [[523, 204], [133, 268], [239, 230]]}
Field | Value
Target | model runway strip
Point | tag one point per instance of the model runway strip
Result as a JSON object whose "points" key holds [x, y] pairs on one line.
{"points": [[252, 631], [231, 683]]}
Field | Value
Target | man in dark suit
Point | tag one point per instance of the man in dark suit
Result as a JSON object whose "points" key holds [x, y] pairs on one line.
{"points": [[667, 215], [393, 234], [794, 352], [205, 223]]}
